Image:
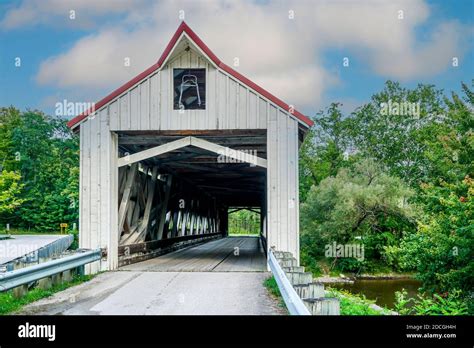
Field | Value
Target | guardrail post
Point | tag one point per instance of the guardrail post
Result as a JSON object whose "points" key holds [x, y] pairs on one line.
{"points": [[67, 276], [20, 291], [47, 273], [323, 306], [56, 279], [45, 283]]}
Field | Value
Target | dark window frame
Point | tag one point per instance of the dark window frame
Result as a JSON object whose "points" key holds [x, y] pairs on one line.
{"points": [[190, 97]]}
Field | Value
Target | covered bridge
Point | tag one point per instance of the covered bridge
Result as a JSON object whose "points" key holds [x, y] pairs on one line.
{"points": [[165, 156]]}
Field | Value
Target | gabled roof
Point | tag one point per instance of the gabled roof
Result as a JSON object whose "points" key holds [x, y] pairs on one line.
{"points": [[184, 28]]}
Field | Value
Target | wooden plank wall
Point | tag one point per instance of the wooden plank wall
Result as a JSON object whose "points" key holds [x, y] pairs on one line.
{"points": [[149, 105], [282, 183], [98, 176]]}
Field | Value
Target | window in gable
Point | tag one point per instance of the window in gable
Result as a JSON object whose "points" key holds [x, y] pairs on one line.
{"points": [[189, 89]]}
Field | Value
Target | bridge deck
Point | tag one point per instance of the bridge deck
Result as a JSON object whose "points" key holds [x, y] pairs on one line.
{"points": [[231, 254], [226, 284]]}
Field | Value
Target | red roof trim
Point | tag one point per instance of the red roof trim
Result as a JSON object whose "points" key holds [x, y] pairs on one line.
{"points": [[183, 27]]}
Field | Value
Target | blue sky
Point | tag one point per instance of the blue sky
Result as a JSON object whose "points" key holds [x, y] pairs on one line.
{"points": [[299, 59]]}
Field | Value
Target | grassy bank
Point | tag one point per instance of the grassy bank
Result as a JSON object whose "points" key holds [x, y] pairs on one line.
{"points": [[352, 304], [10, 304], [272, 287]]}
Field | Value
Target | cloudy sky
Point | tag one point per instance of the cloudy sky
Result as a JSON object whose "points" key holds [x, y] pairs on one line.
{"points": [[75, 49]]}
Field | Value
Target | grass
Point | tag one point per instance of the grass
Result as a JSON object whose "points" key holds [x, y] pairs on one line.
{"points": [[10, 304], [272, 287], [352, 304]]}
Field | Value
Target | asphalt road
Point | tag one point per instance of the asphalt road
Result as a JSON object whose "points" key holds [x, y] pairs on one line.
{"points": [[152, 289]]}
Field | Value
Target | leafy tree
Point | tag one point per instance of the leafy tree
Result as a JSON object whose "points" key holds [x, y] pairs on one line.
{"points": [[10, 187], [45, 153], [397, 137], [244, 222], [442, 249], [451, 152], [323, 151], [362, 201]]}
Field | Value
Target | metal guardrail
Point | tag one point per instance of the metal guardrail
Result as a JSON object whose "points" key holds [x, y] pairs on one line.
{"points": [[22, 276], [293, 302]]}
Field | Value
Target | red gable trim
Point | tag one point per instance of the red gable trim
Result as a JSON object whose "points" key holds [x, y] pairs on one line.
{"points": [[183, 27]]}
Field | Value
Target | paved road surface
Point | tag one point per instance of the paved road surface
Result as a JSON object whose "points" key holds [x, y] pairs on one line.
{"points": [[20, 245], [207, 279]]}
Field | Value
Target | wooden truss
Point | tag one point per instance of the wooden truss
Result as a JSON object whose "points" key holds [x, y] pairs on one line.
{"points": [[196, 142]]}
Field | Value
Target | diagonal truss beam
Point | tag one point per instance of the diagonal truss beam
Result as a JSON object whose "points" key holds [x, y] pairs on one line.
{"points": [[224, 151]]}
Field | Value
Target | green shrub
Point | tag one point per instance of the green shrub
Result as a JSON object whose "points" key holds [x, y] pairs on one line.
{"points": [[449, 304], [353, 304]]}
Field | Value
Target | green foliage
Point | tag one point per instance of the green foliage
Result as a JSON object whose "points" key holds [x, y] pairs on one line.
{"points": [[449, 304], [354, 304], [272, 287], [361, 202], [44, 152], [75, 241], [9, 304], [10, 188], [310, 262], [244, 222], [442, 249], [322, 152], [430, 151], [397, 139]]}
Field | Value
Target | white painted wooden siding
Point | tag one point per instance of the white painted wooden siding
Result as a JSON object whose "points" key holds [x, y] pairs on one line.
{"points": [[282, 183], [98, 187], [149, 104]]}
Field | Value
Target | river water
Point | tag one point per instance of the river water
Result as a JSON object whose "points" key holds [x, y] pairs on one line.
{"points": [[381, 290]]}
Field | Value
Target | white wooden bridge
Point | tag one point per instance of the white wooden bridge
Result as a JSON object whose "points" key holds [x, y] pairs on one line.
{"points": [[167, 155], [164, 159]]}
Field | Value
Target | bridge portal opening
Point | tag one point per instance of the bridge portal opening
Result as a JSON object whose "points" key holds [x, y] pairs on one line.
{"points": [[245, 221], [178, 189]]}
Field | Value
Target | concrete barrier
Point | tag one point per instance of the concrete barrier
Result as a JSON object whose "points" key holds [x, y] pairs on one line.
{"points": [[294, 269], [288, 262], [282, 254], [323, 306], [312, 290], [306, 293], [297, 278]]}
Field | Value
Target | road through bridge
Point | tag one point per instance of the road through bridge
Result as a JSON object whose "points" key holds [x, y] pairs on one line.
{"points": [[164, 160], [223, 277]]}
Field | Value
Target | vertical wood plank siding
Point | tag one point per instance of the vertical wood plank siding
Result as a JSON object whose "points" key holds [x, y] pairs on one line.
{"points": [[282, 183], [149, 106], [98, 173]]}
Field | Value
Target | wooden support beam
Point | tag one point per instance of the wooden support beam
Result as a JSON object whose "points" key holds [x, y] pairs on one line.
{"points": [[132, 172], [164, 208], [192, 141], [154, 151], [149, 200], [228, 152], [140, 234]]}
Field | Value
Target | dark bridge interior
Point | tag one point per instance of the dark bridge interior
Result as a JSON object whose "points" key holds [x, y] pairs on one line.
{"points": [[193, 191]]}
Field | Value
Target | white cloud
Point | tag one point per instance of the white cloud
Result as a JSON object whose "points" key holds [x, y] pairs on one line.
{"points": [[57, 12], [281, 54]]}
